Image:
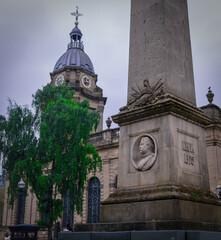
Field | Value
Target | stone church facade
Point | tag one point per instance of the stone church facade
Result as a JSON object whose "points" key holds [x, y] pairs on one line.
{"points": [[75, 69]]}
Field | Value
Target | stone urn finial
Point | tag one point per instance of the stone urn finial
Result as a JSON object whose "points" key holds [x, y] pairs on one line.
{"points": [[210, 95], [108, 122]]}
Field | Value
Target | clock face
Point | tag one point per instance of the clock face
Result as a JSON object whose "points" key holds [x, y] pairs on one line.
{"points": [[59, 80], [86, 81]]}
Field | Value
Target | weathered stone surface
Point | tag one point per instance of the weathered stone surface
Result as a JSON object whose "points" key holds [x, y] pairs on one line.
{"points": [[160, 48], [213, 145], [178, 130], [166, 104], [212, 111], [167, 210], [162, 192], [142, 235], [157, 235], [150, 225], [181, 156]]}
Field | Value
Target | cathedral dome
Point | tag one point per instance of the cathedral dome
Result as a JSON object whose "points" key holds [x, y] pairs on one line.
{"points": [[75, 55]]}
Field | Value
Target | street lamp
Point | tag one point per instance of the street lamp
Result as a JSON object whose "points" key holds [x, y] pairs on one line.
{"points": [[20, 213], [21, 185], [108, 122], [218, 188]]}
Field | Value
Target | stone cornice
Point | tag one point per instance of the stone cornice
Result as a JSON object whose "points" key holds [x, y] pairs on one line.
{"points": [[169, 191], [68, 68], [91, 97], [214, 126], [213, 142], [211, 105], [168, 104], [107, 146], [213, 135]]}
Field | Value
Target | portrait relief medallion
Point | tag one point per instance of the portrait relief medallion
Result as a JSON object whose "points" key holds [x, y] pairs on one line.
{"points": [[144, 152]]}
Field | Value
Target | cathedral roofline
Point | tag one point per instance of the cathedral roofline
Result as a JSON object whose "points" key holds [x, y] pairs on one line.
{"points": [[70, 68]]}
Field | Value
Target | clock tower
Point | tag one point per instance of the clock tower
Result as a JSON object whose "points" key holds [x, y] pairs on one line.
{"points": [[75, 69]]}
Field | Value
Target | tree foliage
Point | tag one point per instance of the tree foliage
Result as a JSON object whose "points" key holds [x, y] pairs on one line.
{"points": [[61, 158], [17, 138]]}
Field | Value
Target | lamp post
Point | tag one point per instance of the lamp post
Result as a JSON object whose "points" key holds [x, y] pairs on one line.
{"points": [[218, 188], [20, 213], [108, 122]]}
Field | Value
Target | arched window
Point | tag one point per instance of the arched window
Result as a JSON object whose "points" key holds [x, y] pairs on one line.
{"points": [[94, 200], [68, 213]]}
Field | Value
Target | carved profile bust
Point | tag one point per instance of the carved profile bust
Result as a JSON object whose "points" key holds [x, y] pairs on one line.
{"points": [[144, 152]]}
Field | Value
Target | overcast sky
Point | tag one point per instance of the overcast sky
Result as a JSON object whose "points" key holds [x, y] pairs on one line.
{"points": [[34, 34]]}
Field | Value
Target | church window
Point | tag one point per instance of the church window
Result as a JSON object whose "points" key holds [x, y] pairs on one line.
{"points": [[93, 200]]}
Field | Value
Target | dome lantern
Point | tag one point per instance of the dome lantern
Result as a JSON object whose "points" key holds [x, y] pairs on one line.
{"points": [[76, 34]]}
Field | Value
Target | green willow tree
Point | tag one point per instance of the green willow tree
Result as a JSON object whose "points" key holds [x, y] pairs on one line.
{"points": [[17, 138], [61, 158]]}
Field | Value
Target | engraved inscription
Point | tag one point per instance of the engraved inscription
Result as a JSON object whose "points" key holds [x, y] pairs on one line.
{"points": [[188, 159], [188, 147], [189, 153]]}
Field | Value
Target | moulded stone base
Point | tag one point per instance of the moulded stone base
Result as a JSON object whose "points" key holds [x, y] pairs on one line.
{"points": [[141, 235], [169, 209], [161, 208], [159, 214], [149, 225]]}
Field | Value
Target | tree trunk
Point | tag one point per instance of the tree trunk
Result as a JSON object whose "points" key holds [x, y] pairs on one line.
{"points": [[49, 233]]}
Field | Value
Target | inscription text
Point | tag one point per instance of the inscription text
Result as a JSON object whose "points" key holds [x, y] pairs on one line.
{"points": [[189, 151]]}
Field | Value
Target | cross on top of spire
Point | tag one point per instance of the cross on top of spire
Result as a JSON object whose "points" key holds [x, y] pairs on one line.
{"points": [[76, 14]]}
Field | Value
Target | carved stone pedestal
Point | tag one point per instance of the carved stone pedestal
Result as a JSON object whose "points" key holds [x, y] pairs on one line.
{"points": [[164, 177], [175, 145]]}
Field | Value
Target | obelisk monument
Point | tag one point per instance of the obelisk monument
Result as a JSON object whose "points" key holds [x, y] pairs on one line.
{"points": [[160, 48], [163, 172]]}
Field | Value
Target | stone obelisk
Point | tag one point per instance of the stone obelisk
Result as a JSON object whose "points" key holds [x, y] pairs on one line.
{"points": [[162, 173], [160, 48]]}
